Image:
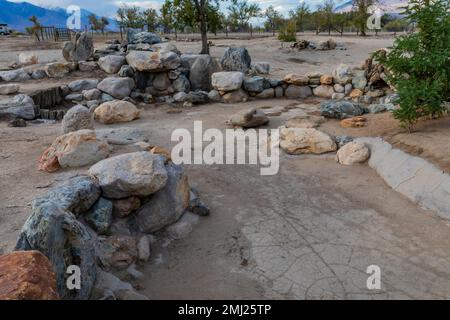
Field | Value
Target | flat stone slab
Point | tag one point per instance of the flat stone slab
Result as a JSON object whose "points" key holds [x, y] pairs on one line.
{"points": [[417, 179]]}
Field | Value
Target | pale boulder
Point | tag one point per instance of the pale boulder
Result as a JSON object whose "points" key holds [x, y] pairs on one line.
{"points": [[28, 58], [353, 152], [323, 91], [116, 111], [227, 81], [305, 140]]}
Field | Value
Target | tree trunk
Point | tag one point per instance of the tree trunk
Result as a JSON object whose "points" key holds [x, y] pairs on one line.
{"points": [[203, 30]]}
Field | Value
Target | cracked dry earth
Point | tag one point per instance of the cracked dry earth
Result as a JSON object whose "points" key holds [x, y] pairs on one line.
{"points": [[309, 232]]}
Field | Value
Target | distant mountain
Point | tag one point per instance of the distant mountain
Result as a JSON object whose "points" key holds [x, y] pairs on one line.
{"points": [[387, 6], [16, 15]]}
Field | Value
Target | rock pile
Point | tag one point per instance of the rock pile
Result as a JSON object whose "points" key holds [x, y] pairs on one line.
{"points": [[102, 222]]}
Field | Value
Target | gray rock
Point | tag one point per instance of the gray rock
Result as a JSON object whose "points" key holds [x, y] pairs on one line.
{"points": [[254, 84], [38, 74], [196, 205], [87, 66], [111, 64], [227, 80], [293, 91], [166, 206], [379, 107], [180, 96], [337, 96], [126, 71], [161, 81], [143, 247], [197, 97], [214, 96], [81, 50], [348, 88], [9, 88], [359, 82], [137, 173], [77, 118], [56, 233], [143, 37], [201, 70], [116, 252], [343, 140], [391, 98], [181, 84], [106, 97], [266, 94], [261, 67], [74, 97], [249, 118], [99, 217], [83, 84], [236, 59], [340, 109], [342, 74], [17, 75], [118, 87], [91, 94], [76, 195], [21, 106]]}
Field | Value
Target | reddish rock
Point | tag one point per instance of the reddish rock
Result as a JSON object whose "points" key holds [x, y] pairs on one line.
{"points": [[355, 122], [48, 161], [27, 275]]}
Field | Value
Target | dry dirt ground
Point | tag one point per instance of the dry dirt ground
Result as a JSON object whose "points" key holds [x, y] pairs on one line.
{"points": [[308, 232]]}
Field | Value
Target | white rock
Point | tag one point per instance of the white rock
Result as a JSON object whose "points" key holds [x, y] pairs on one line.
{"points": [[28, 58], [9, 88], [227, 81], [305, 140], [353, 152]]}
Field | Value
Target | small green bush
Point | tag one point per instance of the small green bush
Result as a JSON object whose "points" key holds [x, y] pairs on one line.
{"points": [[288, 32], [418, 64]]}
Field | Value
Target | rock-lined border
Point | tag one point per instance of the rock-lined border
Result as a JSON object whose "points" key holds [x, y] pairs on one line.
{"points": [[417, 179]]}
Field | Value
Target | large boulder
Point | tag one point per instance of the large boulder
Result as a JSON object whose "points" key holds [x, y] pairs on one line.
{"points": [[305, 140], [249, 118], [17, 75], [76, 149], [353, 152], [111, 63], [82, 49], [116, 111], [77, 118], [167, 205], [153, 61], [27, 275], [65, 241], [255, 84], [77, 195], [21, 106], [117, 87], [340, 109], [135, 37], [236, 59], [227, 81], [201, 69], [83, 84], [138, 173]]}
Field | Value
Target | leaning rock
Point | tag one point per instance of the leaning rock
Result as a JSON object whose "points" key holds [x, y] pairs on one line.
{"points": [[323, 91], [116, 111], [9, 88], [137, 173], [77, 118], [340, 109], [167, 205], [21, 106], [235, 96], [227, 81], [236, 59], [111, 64], [301, 140], [353, 152], [27, 275], [79, 148], [65, 241], [201, 69], [17, 75], [119, 88], [83, 84], [80, 50], [249, 118]]}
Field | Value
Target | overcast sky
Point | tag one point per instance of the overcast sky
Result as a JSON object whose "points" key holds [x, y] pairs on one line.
{"points": [[109, 7]]}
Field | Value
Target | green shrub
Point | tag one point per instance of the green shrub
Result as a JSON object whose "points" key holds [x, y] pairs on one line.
{"points": [[288, 32], [418, 64]]}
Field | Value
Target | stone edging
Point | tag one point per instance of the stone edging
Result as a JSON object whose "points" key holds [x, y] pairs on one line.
{"points": [[414, 177]]}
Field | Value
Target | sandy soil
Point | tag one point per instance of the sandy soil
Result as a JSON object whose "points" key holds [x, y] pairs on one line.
{"points": [[308, 232]]}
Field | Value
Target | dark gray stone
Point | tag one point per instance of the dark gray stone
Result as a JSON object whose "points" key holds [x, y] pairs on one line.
{"points": [[340, 109], [181, 84], [236, 59], [201, 70], [99, 217]]}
